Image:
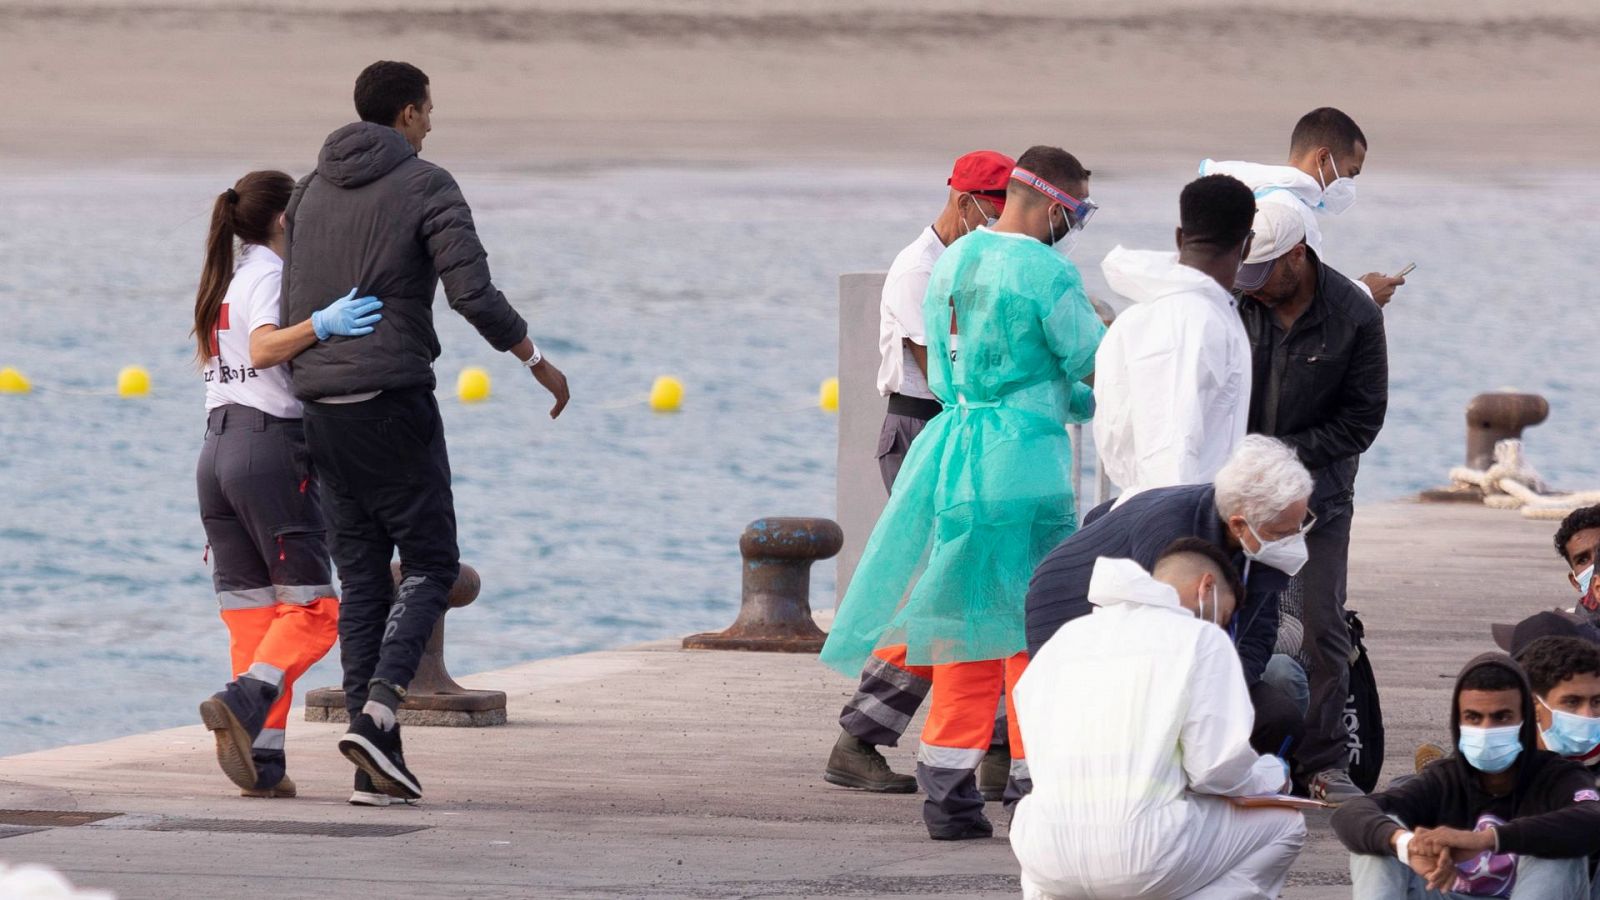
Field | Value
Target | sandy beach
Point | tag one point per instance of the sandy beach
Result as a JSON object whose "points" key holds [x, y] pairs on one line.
{"points": [[540, 84]]}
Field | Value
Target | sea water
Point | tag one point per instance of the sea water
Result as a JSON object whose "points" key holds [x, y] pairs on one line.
{"points": [[614, 525]]}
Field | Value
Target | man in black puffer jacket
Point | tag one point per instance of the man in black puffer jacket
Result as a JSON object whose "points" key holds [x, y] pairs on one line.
{"points": [[374, 214]]}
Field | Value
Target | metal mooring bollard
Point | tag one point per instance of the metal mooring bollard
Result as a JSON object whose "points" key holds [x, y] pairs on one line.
{"points": [[433, 697], [1496, 417], [775, 608]]}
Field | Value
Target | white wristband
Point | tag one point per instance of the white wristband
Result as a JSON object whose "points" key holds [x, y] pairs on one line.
{"points": [[535, 359], [1402, 847]]}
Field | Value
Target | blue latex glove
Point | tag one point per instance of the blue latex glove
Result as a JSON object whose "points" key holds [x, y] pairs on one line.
{"points": [[349, 316]]}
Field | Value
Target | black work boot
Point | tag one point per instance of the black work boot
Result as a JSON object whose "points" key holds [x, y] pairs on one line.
{"points": [[236, 715], [272, 778], [993, 773], [854, 763]]}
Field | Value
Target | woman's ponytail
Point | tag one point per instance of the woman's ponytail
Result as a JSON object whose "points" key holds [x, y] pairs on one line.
{"points": [[245, 212]]}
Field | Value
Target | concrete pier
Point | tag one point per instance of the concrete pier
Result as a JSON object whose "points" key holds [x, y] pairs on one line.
{"points": [[660, 772]]}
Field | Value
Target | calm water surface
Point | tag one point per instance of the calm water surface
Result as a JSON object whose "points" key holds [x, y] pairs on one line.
{"points": [[614, 525]]}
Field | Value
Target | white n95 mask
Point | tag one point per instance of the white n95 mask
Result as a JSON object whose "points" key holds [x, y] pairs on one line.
{"points": [[1287, 555], [1339, 194]]}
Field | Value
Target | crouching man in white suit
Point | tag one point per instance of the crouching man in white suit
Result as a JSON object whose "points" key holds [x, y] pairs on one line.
{"points": [[1137, 724]]}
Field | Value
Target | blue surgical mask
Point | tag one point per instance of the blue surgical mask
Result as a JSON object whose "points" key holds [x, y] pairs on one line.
{"points": [[1585, 579], [1570, 734], [1490, 750]]}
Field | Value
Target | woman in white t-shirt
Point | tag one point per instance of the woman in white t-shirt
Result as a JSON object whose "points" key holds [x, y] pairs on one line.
{"points": [[258, 495]]}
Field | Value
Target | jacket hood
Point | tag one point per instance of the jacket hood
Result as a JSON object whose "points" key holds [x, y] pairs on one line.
{"points": [[1530, 725], [1264, 180], [361, 153], [1147, 275], [1118, 581]]}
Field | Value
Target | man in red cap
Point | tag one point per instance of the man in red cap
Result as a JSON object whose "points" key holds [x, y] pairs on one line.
{"points": [[890, 690]]}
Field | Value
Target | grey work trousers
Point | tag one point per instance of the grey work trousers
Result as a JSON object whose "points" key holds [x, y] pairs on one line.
{"points": [[259, 505], [894, 441]]}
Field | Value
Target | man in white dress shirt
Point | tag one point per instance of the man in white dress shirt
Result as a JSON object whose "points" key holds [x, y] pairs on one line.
{"points": [[891, 690]]}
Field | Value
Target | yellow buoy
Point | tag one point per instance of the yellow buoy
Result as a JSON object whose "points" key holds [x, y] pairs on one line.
{"points": [[133, 381], [666, 395], [472, 385], [14, 382], [828, 396]]}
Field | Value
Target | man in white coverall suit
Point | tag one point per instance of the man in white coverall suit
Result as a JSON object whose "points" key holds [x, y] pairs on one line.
{"points": [[1137, 724]]}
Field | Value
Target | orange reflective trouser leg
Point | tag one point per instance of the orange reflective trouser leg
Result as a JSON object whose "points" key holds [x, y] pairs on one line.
{"points": [[277, 644], [959, 731], [887, 697]]}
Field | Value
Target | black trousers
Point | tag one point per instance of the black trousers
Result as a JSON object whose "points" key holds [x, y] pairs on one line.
{"points": [[386, 486], [1279, 727], [1326, 643]]}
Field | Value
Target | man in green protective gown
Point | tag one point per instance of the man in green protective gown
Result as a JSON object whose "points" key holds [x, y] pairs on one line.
{"points": [[986, 490]]}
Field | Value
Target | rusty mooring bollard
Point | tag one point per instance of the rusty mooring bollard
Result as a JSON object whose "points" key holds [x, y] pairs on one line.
{"points": [[775, 606], [1491, 417], [1496, 417], [433, 697]]}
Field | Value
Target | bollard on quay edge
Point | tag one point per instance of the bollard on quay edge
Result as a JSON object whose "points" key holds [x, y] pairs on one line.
{"points": [[433, 697], [775, 603], [1491, 417]]}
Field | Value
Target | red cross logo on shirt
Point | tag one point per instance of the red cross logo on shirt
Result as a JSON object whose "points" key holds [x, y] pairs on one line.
{"points": [[222, 325]]}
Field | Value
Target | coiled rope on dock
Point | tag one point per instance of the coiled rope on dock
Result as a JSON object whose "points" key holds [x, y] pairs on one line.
{"points": [[1513, 483]]}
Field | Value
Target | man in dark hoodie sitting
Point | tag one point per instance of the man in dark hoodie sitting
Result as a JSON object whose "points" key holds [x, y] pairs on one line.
{"points": [[374, 214], [1499, 818]]}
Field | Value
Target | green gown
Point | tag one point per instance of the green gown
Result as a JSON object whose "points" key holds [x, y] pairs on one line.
{"points": [[985, 491]]}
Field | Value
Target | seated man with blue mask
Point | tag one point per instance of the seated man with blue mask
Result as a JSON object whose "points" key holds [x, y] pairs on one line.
{"points": [[1578, 542], [1500, 818], [1565, 675]]}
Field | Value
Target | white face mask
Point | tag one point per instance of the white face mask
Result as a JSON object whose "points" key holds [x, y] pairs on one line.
{"points": [[988, 220], [1287, 555], [1339, 194]]}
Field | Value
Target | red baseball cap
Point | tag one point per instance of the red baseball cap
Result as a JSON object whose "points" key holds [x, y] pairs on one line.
{"points": [[983, 172]]}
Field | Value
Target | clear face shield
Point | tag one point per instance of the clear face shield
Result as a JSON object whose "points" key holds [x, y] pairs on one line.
{"points": [[1076, 213]]}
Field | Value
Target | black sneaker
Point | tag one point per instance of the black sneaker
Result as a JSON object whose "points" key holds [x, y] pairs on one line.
{"points": [[236, 715], [377, 752], [367, 795]]}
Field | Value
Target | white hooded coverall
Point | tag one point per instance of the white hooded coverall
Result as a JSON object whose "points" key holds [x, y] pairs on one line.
{"points": [[1137, 724], [1281, 184], [1171, 377]]}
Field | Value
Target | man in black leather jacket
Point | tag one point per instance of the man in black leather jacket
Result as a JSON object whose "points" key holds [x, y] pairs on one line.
{"points": [[1320, 383]]}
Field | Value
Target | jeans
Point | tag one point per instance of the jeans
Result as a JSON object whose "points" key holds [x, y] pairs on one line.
{"points": [[1279, 725], [386, 486], [1386, 878], [1286, 675]]}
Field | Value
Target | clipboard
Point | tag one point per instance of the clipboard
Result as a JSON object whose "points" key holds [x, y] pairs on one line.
{"points": [[1279, 801]]}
